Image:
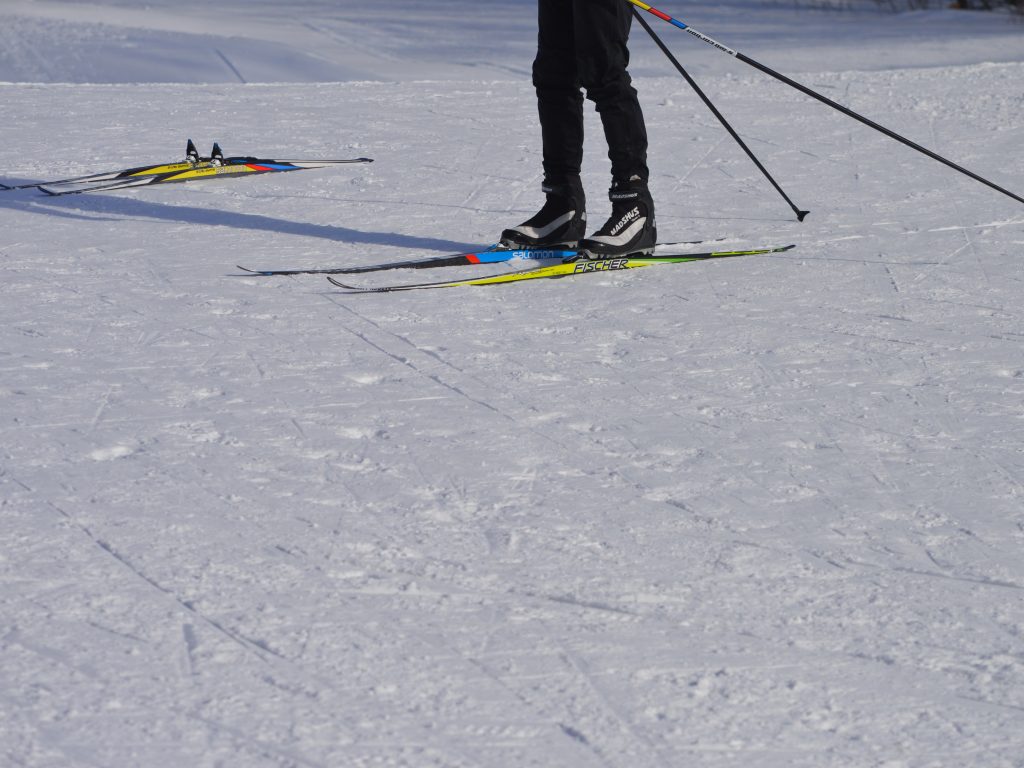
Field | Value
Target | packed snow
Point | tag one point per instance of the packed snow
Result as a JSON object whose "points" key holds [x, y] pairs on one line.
{"points": [[766, 511]]}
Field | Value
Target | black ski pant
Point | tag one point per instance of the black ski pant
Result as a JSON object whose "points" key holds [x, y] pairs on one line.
{"points": [[582, 44]]}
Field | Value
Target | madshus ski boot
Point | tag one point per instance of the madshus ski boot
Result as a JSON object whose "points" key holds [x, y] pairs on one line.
{"points": [[631, 229]]}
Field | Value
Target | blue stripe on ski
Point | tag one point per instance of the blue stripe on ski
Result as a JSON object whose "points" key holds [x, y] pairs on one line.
{"points": [[496, 256]]}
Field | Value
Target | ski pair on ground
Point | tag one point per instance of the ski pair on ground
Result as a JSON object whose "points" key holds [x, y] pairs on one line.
{"points": [[496, 254], [548, 264], [193, 167]]}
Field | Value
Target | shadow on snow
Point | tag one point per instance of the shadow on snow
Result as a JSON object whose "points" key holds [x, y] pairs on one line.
{"points": [[95, 206]]}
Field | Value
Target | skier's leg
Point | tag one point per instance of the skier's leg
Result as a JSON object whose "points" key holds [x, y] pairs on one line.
{"points": [[562, 220], [602, 32], [559, 95]]}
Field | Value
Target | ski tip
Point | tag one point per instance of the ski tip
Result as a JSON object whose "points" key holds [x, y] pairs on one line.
{"points": [[801, 215], [266, 272], [5, 186]]}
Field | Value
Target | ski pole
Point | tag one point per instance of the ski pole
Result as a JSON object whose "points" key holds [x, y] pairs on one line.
{"points": [[714, 110], [823, 99]]}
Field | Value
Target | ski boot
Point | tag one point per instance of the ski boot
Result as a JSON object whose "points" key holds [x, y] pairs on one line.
{"points": [[631, 230], [559, 224]]}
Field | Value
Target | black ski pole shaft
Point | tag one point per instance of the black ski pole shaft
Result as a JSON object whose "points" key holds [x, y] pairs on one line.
{"points": [[823, 99], [714, 110]]}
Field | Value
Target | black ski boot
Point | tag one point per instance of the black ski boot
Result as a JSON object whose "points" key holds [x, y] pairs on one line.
{"points": [[631, 230], [559, 224]]}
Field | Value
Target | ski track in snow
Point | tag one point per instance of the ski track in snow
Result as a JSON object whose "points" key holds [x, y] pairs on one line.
{"points": [[765, 511]]}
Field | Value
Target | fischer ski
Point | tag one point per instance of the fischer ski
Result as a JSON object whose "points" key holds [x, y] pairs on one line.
{"points": [[565, 269], [493, 255]]}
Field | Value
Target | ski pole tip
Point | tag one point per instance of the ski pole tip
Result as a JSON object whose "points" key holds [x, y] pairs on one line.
{"points": [[801, 215]]}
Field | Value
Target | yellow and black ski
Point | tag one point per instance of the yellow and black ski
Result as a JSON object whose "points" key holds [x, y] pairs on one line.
{"points": [[192, 168]]}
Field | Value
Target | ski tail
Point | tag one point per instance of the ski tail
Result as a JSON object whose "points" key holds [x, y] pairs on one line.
{"points": [[140, 181], [96, 177]]}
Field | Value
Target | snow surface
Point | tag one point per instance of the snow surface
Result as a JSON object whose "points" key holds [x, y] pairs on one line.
{"points": [[759, 512]]}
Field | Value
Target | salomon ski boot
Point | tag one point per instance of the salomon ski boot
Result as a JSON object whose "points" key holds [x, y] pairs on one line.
{"points": [[559, 224], [631, 230]]}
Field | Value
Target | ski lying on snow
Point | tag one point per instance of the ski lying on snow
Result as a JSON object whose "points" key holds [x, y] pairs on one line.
{"points": [[493, 255], [234, 166], [567, 269], [193, 167]]}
